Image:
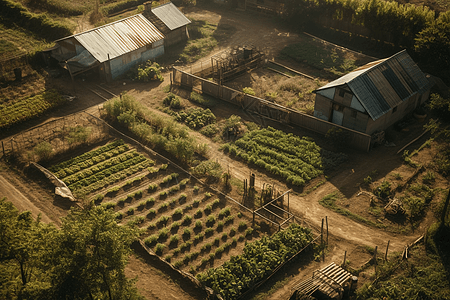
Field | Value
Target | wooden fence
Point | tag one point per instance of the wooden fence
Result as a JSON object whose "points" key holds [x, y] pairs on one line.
{"points": [[267, 109]]}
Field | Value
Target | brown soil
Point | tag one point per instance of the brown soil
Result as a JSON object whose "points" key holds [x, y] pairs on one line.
{"points": [[345, 234]]}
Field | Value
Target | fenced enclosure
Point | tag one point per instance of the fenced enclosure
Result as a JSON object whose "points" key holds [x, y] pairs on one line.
{"points": [[61, 134], [267, 109]]}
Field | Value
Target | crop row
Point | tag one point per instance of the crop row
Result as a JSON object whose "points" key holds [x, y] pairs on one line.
{"points": [[83, 157], [258, 260], [105, 166], [91, 162], [28, 108], [115, 176], [296, 159]]}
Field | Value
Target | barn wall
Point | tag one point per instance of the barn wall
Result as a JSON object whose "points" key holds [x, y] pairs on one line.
{"points": [[176, 36], [322, 107], [122, 64]]}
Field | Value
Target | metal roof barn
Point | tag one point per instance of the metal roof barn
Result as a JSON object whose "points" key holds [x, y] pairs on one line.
{"points": [[384, 84], [118, 38], [171, 16]]}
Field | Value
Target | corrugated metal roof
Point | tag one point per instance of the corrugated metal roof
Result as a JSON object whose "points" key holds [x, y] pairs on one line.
{"points": [[119, 38], [384, 84], [171, 16]]}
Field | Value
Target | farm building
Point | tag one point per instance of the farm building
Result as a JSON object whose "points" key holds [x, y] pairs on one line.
{"points": [[113, 48], [374, 96], [169, 20]]}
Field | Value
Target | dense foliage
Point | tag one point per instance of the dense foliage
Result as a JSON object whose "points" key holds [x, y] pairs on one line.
{"points": [[98, 168], [40, 24], [258, 260], [27, 108], [85, 259], [160, 132], [296, 159]]}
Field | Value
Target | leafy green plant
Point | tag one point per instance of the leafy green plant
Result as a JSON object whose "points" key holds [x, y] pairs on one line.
{"points": [[383, 190], [210, 221], [172, 101]]}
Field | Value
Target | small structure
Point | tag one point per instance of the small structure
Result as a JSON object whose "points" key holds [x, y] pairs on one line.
{"points": [[330, 282], [374, 96], [169, 20], [231, 63], [113, 48]]}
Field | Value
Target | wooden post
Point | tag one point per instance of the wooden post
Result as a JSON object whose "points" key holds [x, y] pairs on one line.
{"points": [[288, 202], [321, 242], [387, 248], [253, 222], [326, 221], [375, 258], [345, 258]]}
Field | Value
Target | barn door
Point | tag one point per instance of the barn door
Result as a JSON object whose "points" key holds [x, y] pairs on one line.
{"points": [[338, 116]]}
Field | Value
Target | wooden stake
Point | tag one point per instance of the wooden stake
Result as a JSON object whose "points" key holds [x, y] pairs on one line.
{"points": [[321, 242], [3, 147], [326, 220], [375, 258], [345, 258], [387, 248]]}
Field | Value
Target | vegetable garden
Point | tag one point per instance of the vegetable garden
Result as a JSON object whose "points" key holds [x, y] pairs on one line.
{"points": [[28, 107], [182, 221], [296, 159]]}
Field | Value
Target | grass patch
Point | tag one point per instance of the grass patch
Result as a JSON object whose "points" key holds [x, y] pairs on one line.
{"points": [[315, 54], [329, 201]]}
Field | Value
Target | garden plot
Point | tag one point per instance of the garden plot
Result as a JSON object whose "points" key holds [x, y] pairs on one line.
{"points": [[296, 159], [184, 223]]}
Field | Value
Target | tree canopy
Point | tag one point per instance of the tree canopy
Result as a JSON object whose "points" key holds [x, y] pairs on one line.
{"points": [[85, 259]]}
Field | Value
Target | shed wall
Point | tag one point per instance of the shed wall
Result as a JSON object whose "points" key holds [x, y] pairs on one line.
{"points": [[122, 64]]}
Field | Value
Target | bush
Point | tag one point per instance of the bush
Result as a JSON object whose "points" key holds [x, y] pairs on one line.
{"points": [[210, 221], [43, 150], [249, 91], [202, 99], [187, 220], [146, 72], [172, 101]]}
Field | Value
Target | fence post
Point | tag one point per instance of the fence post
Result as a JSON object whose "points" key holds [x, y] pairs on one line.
{"points": [[326, 220], [387, 248], [345, 258], [321, 242]]}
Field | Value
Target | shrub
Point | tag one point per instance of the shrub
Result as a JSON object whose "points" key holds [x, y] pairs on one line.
{"points": [[187, 220], [168, 257], [216, 203], [163, 207], [209, 231], [249, 91], [429, 177], [224, 236], [151, 240], [163, 220], [177, 214], [242, 226], [198, 225], [150, 202], [229, 220], [174, 240], [43, 150], [198, 238], [130, 211], [172, 101], [196, 188], [210, 221], [383, 190], [151, 226], [207, 210], [248, 232], [187, 234], [206, 247], [182, 198], [159, 249], [219, 226], [232, 231], [152, 187], [178, 264], [163, 195], [196, 203], [174, 227], [151, 213], [198, 213], [163, 234]]}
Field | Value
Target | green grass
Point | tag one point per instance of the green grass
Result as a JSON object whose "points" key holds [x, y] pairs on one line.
{"points": [[17, 41], [204, 37], [316, 55], [329, 201]]}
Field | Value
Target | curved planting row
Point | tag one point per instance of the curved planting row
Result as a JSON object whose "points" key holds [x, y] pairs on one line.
{"points": [[84, 157], [296, 159], [258, 261]]}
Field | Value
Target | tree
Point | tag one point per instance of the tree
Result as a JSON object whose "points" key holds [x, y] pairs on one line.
{"points": [[90, 256], [85, 259], [432, 44], [22, 244]]}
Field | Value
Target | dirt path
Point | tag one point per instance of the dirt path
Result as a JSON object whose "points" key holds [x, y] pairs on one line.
{"points": [[21, 202]]}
